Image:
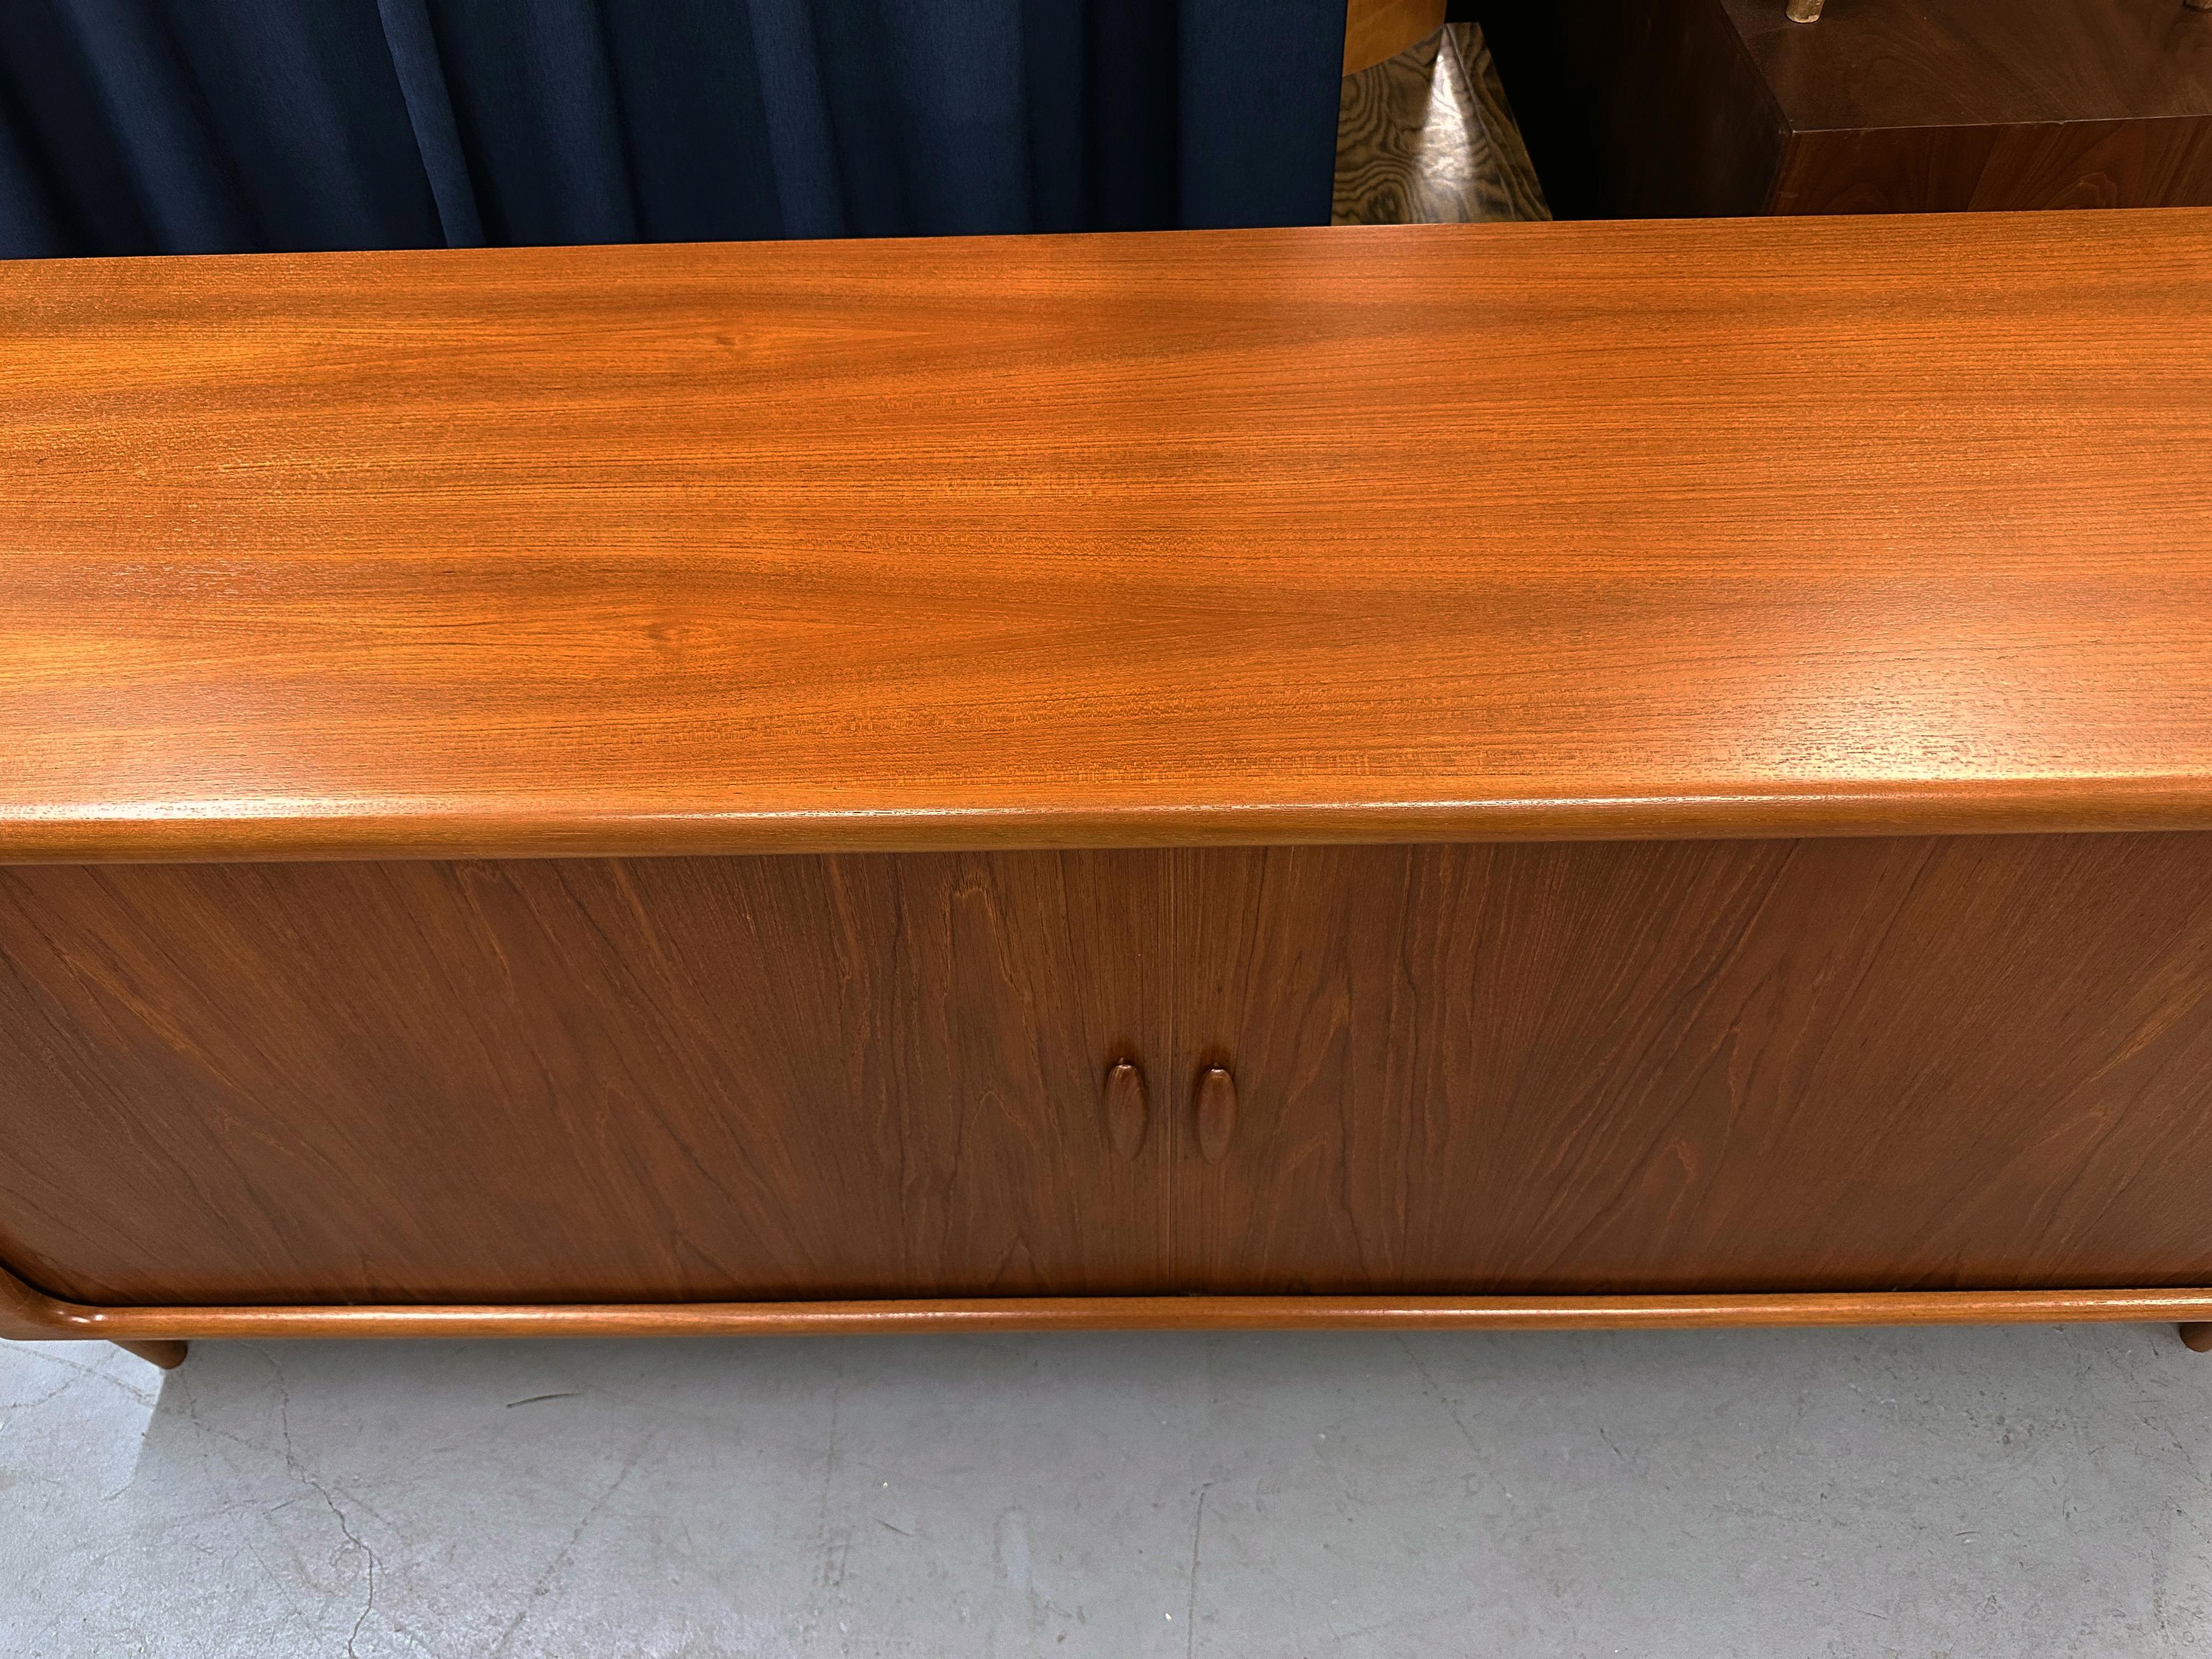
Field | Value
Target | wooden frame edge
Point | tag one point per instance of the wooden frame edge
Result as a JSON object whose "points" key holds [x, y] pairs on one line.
{"points": [[27, 1314], [242, 833]]}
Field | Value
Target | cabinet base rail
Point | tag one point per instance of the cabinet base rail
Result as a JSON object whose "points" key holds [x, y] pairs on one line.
{"points": [[159, 1334]]}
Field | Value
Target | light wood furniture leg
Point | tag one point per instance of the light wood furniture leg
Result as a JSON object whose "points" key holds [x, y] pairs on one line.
{"points": [[168, 1355], [2196, 1336]]}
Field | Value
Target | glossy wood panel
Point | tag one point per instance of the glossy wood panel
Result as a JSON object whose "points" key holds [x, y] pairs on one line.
{"points": [[1712, 1068], [1405, 533], [1913, 1064], [577, 1081]]}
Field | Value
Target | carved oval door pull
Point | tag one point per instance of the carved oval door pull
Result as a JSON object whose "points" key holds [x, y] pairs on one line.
{"points": [[1216, 1112], [1128, 1109]]}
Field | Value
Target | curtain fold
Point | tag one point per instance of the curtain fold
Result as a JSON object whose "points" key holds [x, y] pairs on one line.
{"points": [[414, 53], [137, 126], [24, 209]]}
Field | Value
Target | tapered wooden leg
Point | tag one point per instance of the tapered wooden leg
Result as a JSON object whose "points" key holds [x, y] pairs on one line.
{"points": [[2198, 1337], [170, 1355]]}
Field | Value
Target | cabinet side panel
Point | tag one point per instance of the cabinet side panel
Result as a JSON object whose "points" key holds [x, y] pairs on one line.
{"points": [[1939, 169], [1972, 1062], [641, 1080]]}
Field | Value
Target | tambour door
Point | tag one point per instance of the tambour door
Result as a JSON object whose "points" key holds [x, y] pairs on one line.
{"points": [[691, 1078], [1716, 1065]]}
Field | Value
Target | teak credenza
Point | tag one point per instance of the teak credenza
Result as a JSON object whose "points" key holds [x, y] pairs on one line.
{"points": [[1513, 775]]}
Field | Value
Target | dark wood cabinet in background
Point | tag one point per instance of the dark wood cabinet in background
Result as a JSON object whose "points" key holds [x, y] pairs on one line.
{"points": [[1664, 108]]}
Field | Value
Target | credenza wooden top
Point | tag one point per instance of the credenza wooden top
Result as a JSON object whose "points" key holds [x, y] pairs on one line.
{"points": [[1781, 526]]}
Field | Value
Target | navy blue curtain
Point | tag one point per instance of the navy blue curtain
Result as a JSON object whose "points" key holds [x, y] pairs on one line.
{"points": [[181, 126]]}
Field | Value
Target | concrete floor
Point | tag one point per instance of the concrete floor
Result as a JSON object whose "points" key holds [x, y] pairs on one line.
{"points": [[1997, 1491]]}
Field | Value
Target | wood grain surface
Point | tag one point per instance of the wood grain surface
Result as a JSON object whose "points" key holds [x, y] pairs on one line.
{"points": [[1939, 1063], [1712, 1067], [1410, 533], [662, 1080]]}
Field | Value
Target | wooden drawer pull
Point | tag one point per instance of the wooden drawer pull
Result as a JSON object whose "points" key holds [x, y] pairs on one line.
{"points": [[1128, 1108], [1216, 1112]]}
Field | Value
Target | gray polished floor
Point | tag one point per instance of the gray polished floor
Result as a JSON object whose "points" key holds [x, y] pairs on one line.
{"points": [[2003, 1491]]}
